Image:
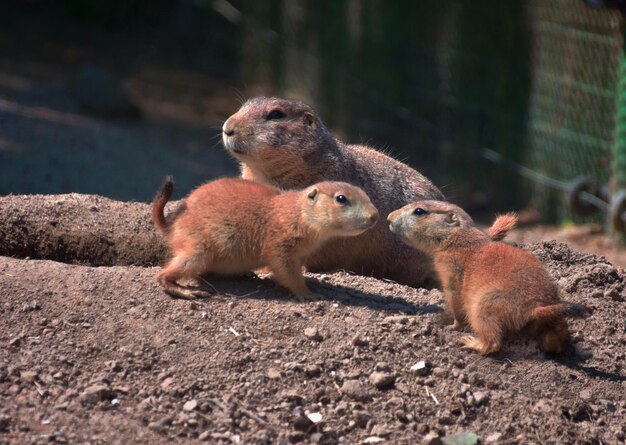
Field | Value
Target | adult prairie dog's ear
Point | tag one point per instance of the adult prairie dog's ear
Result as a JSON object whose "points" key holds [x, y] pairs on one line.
{"points": [[310, 120], [312, 194], [452, 220]]}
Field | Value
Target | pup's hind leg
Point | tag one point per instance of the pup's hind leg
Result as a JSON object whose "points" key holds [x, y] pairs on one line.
{"points": [[483, 345], [489, 330], [181, 267]]}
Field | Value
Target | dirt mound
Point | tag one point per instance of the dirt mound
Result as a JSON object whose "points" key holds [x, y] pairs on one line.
{"points": [[75, 228], [100, 354]]}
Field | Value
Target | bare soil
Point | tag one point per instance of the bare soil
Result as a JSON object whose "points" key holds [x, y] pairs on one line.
{"points": [[587, 237], [85, 229], [101, 355], [92, 351]]}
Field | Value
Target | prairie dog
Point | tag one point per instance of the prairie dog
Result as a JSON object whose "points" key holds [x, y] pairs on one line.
{"points": [[494, 287], [284, 143], [233, 226]]}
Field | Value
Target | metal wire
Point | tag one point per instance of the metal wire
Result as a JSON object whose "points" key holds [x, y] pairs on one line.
{"points": [[409, 116]]}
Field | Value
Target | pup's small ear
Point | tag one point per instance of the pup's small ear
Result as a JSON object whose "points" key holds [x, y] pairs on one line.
{"points": [[312, 194], [452, 220], [310, 120]]}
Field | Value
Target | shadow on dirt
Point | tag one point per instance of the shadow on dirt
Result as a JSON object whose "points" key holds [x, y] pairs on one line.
{"points": [[574, 358], [264, 288]]}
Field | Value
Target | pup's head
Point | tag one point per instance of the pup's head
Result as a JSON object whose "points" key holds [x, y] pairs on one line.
{"points": [[274, 136], [426, 225], [338, 209]]}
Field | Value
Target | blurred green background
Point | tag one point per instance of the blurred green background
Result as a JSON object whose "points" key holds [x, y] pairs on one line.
{"points": [[108, 97]]}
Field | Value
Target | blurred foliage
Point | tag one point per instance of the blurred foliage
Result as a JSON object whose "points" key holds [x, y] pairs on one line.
{"points": [[432, 82], [435, 81], [118, 12]]}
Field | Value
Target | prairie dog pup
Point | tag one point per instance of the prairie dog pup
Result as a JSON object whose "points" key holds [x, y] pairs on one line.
{"points": [[284, 143], [233, 226], [494, 287]]}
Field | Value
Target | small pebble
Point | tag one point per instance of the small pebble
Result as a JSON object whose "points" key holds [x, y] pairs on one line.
{"points": [[361, 418], [440, 372], [28, 376], [167, 382], [421, 368], [585, 394], [379, 430], [360, 341], [382, 366], [613, 294], [542, 406], [312, 371], [315, 417], [156, 427], [374, 439], [481, 397], [95, 393], [302, 423], [432, 438], [395, 401], [597, 294], [273, 374], [493, 437], [313, 333], [316, 437], [354, 390], [382, 380], [190, 405]]}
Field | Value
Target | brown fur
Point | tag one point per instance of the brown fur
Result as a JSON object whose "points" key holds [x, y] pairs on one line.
{"points": [[233, 226], [296, 150], [495, 288], [502, 226]]}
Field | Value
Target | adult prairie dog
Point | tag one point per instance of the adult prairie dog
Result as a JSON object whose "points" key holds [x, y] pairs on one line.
{"points": [[233, 226], [494, 287], [284, 143]]}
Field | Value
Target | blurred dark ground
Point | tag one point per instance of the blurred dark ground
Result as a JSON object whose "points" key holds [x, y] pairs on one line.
{"points": [[430, 82], [175, 66]]}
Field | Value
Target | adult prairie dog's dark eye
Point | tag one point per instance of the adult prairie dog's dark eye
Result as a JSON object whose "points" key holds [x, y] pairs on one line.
{"points": [[275, 114], [419, 212], [341, 199]]}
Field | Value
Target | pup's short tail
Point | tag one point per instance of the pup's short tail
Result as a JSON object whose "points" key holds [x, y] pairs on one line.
{"points": [[158, 204], [556, 311], [501, 226]]}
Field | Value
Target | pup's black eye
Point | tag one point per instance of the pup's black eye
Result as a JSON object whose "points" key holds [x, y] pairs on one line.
{"points": [[275, 114], [341, 199], [420, 211]]}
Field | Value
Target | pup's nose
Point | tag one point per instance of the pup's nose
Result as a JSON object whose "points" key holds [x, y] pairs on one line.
{"points": [[228, 128], [391, 216], [373, 216]]}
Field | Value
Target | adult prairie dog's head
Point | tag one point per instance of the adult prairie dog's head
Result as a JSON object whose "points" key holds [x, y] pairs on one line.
{"points": [[426, 225], [269, 133], [337, 209]]}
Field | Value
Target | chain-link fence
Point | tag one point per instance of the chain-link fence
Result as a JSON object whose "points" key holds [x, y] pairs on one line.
{"points": [[575, 72], [533, 82]]}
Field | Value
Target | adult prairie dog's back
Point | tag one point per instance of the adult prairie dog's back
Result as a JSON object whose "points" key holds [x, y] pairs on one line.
{"points": [[494, 287], [285, 143], [232, 226]]}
